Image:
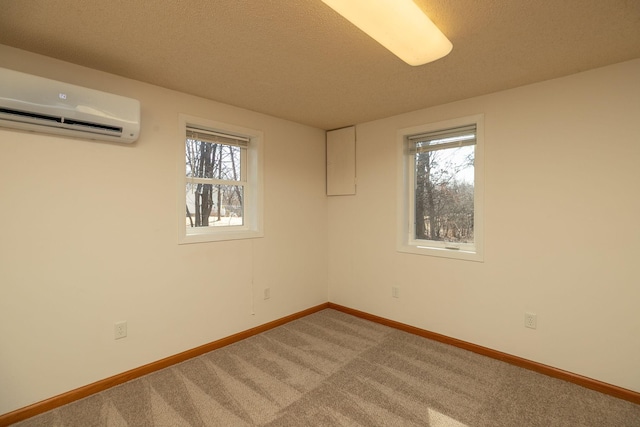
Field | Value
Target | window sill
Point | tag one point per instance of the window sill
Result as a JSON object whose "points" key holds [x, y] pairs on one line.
{"points": [[461, 254], [219, 236]]}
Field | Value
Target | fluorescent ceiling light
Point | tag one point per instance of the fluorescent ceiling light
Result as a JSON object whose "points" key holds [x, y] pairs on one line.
{"points": [[399, 25]]}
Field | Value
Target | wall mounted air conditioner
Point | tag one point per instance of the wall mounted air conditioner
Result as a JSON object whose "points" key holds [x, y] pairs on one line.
{"points": [[42, 105]]}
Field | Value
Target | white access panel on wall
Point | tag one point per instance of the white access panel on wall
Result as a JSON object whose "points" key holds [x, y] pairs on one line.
{"points": [[341, 161]]}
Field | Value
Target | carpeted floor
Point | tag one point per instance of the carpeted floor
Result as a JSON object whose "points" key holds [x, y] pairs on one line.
{"points": [[333, 369]]}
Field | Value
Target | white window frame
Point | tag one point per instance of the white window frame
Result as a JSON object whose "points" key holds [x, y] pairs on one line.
{"points": [[406, 241], [253, 188]]}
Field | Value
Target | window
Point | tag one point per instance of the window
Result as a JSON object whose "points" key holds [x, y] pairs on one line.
{"points": [[221, 191], [440, 189]]}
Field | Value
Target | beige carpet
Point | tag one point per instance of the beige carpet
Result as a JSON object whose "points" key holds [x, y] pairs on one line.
{"points": [[333, 369]]}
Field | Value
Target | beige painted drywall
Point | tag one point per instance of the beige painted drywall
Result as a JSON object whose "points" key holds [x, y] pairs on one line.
{"points": [[561, 209], [88, 237]]}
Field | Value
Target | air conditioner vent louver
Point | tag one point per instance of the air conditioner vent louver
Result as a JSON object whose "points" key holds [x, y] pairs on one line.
{"points": [[42, 105], [28, 115], [96, 126]]}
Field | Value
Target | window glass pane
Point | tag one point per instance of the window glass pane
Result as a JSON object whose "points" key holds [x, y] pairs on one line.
{"points": [[444, 181], [211, 205], [215, 161]]}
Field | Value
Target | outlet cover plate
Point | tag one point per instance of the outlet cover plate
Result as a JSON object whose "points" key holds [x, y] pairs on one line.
{"points": [[531, 320], [119, 330]]}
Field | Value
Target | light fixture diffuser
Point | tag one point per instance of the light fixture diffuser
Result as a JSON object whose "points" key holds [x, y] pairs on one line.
{"points": [[399, 25]]}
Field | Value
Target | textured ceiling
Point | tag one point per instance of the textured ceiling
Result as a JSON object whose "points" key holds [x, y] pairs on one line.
{"points": [[299, 60]]}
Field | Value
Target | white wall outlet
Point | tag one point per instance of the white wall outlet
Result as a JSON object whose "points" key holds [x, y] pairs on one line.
{"points": [[531, 320], [267, 293], [395, 292], [120, 330]]}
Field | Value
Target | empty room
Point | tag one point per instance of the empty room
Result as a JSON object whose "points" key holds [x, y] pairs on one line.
{"points": [[314, 212]]}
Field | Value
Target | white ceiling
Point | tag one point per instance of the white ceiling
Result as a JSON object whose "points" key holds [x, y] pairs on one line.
{"points": [[299, 60]]}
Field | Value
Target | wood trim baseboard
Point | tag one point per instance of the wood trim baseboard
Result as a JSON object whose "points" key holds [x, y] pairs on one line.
{"points": [[85, 391], [590, 383]]}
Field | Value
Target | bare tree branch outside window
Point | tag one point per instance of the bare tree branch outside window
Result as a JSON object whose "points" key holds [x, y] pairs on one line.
{"points": [[444, 195], [212, 197]]}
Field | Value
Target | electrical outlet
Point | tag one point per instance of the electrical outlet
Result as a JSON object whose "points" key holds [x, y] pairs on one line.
{"points": [[395, 292], [267, 293], [120, 330], [531, 320]]}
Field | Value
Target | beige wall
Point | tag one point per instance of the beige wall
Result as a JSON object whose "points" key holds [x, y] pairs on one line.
{"points": [[88, 237], [562, 229]]}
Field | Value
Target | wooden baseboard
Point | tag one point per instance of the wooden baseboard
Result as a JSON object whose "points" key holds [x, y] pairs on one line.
{"points": [[602, 387], [82, 392]]}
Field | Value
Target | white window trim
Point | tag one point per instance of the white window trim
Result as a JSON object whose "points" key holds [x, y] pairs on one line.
{"points": [[406, 241], [253, 196]]}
